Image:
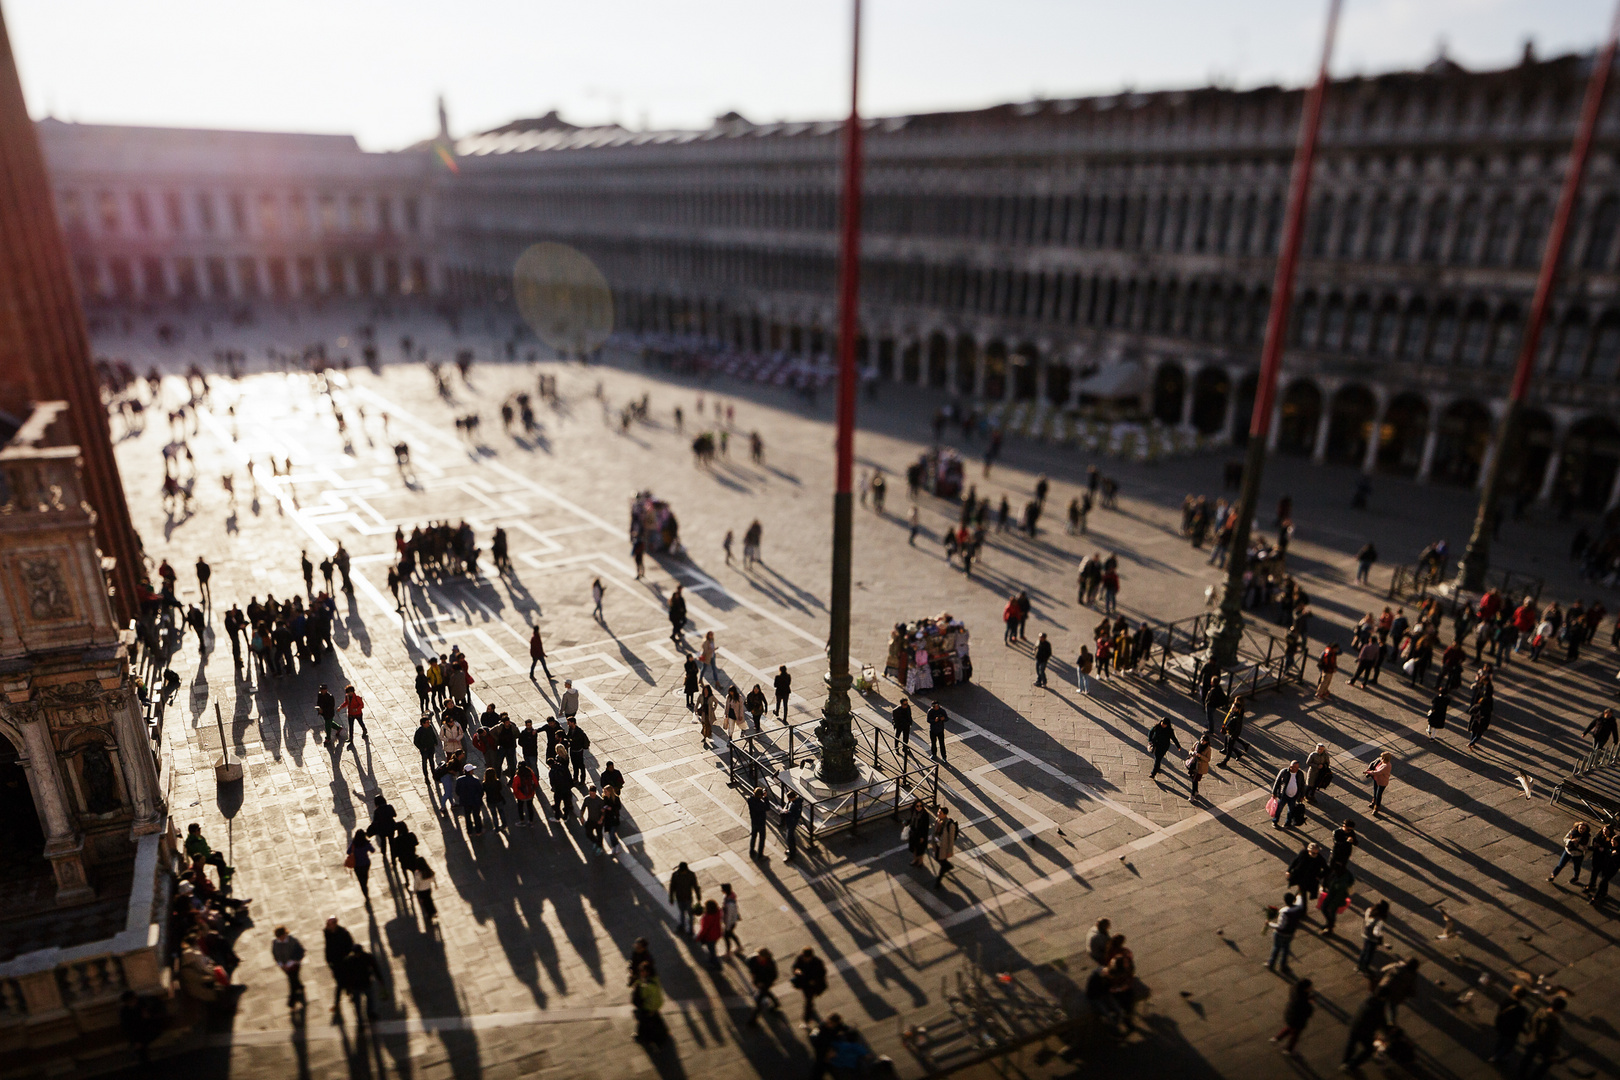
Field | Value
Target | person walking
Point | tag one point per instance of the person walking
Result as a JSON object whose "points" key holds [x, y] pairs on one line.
{"points": [[355, 975], [1307, 870], [1335, 894], [562, 786], [683, 891], [426, 742], [1082, 670], [677, 615], [763, 974], [783, 685], [1396, 981], [1479, 718], [339, 942], [1511, 1017], [1318, 772], [384, 822], [288, 953], [754, 704], [597, 592], [1232, 730], [792, 815], [358, 859], [1296, 1014], [936, 730], [495, 789], [1602, 731], [736, 715], [708, 656], [944, 841], [1605, 861], [810, 979], [759, 808], [1161, 737], [1327, 663], [1546, 1029], [1576, 842], [1365, 1024], [1379, 773], [355, 706], [710, 929], [1198, 765], [1373, 921], [590, 814], [612, 817], [730, 916], [1283, 929], [1366, 662], [537, 654], [326, 709], [705, 713], [1437, 710], [568, 701], [578, 743], [1043, 656], [422, 885], [646, 999], [470, 795], [917, 830], [1286, 791]]}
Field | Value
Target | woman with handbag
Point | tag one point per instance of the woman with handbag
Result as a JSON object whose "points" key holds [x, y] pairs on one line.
{"points": [[359, 860], [1335, 895], [1318, 772], [1198, 765], [705, 711], [422, 884]]}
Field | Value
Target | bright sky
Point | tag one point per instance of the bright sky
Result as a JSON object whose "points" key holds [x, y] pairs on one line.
{"points": [[374, 67]]}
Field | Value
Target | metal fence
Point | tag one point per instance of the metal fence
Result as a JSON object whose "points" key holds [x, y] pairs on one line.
{"points": [[1606, 757], [899, 775], [1181, 649], [1414, 584]]}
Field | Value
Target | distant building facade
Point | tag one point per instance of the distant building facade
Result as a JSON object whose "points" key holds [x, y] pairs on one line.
{"points": [[1008, 252], [156, 215]]}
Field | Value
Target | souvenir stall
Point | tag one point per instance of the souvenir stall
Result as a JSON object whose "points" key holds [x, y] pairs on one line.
{"points": [[653, 522], [942, 472], [929, 653]]}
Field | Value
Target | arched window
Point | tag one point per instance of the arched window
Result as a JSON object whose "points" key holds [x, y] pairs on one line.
{"points": [[1406, 226], [1223, 226], [1498, 233], [1506, 339], [1167, 310], [1443, 339], [1245, 241], [1305, 317], [1386, 330], [1333, 324], [1570, 355], [1532, 233], [1161, 223], [1104, 216], [1601, 237], [1434, 229], [1414, 331], [1377, 228], [1274, 217], [1360, 326], [1349, 226], [1462, 245], [1606, 350], [1476, 336], [1178, 239], [1254, 330], [1082, 222], [1319, 228], [1201, 230]]}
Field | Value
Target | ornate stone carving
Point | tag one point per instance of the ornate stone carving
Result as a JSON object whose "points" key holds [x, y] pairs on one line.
{"points": [[47, 591], [74, 694]]}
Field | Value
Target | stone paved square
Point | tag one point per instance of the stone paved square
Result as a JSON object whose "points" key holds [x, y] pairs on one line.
{"points": [[525, 975]]}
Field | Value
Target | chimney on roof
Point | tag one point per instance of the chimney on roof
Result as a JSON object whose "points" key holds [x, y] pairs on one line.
{"points": [[444, 122], [1529, 56]]}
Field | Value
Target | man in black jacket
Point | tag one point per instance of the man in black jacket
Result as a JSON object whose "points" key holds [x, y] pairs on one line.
{"points": [[355, 973], [677, 615], [810, 979], [784, 687], [578, 743], [759, 808], [683, 890], [1305, 873], [339, 942], [1160, 739], [763, 974], [936, 730], [427, 744], [902, 725], [1043, 655]]}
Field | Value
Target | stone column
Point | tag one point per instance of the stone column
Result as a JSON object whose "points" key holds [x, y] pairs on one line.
{"points": [[1229, 424], [980, 361], [1369, 460], [64, 847], [44, 348], [1274, 437], [1189, 396], [1549, 475], [1324, 425], [1431, 441], [135, 754]]}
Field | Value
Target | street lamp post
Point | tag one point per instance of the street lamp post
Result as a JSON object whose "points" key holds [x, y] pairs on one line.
{"points": [[1227, 630], [1477, 557], [836, 731]]}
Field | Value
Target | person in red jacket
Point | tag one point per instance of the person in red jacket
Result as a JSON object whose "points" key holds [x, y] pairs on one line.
{"points": [[524, 786], [355, 706]]}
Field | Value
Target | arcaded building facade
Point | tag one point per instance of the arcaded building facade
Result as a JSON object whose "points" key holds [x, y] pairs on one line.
{"points": [[1011, 252]]}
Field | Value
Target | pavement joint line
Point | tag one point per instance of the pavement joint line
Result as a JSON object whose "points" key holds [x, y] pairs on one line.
{"points": [[712, 797], [1069, 873]]}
